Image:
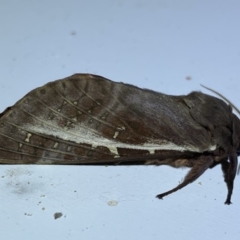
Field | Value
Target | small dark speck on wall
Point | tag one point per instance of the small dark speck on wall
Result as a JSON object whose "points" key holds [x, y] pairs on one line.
{"points": [[57, 215]]}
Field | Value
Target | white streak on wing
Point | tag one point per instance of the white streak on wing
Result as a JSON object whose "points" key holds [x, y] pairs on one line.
{"points": [[115, 134], [82, 135], [55, 145], [111, 149], [28, 137], [212, 148], [151, 151]]}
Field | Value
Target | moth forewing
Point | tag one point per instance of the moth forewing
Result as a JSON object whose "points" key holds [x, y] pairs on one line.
{"points": [[88, 119]]}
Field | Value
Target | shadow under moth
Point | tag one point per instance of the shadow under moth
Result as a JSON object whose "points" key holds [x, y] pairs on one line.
{"points": [[90, 120]]}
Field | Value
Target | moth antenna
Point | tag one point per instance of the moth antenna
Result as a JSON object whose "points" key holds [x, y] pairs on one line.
{"points": [[220, 95]]}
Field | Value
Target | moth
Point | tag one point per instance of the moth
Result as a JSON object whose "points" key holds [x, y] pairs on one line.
{"points": [[90, 120]]}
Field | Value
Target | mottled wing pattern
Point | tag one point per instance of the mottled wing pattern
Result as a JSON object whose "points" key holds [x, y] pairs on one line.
{"points": [[86, 119], [77, 120]]}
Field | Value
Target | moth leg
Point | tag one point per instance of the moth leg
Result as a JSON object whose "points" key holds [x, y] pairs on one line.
{"points": [[229, 173], [201, 164]]}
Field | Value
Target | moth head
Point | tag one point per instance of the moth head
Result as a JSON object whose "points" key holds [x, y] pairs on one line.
{"points": [[235, 121], [236, 133]]}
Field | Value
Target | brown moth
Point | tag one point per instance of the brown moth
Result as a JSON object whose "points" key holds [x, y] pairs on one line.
{"points": [[88, 119]]}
